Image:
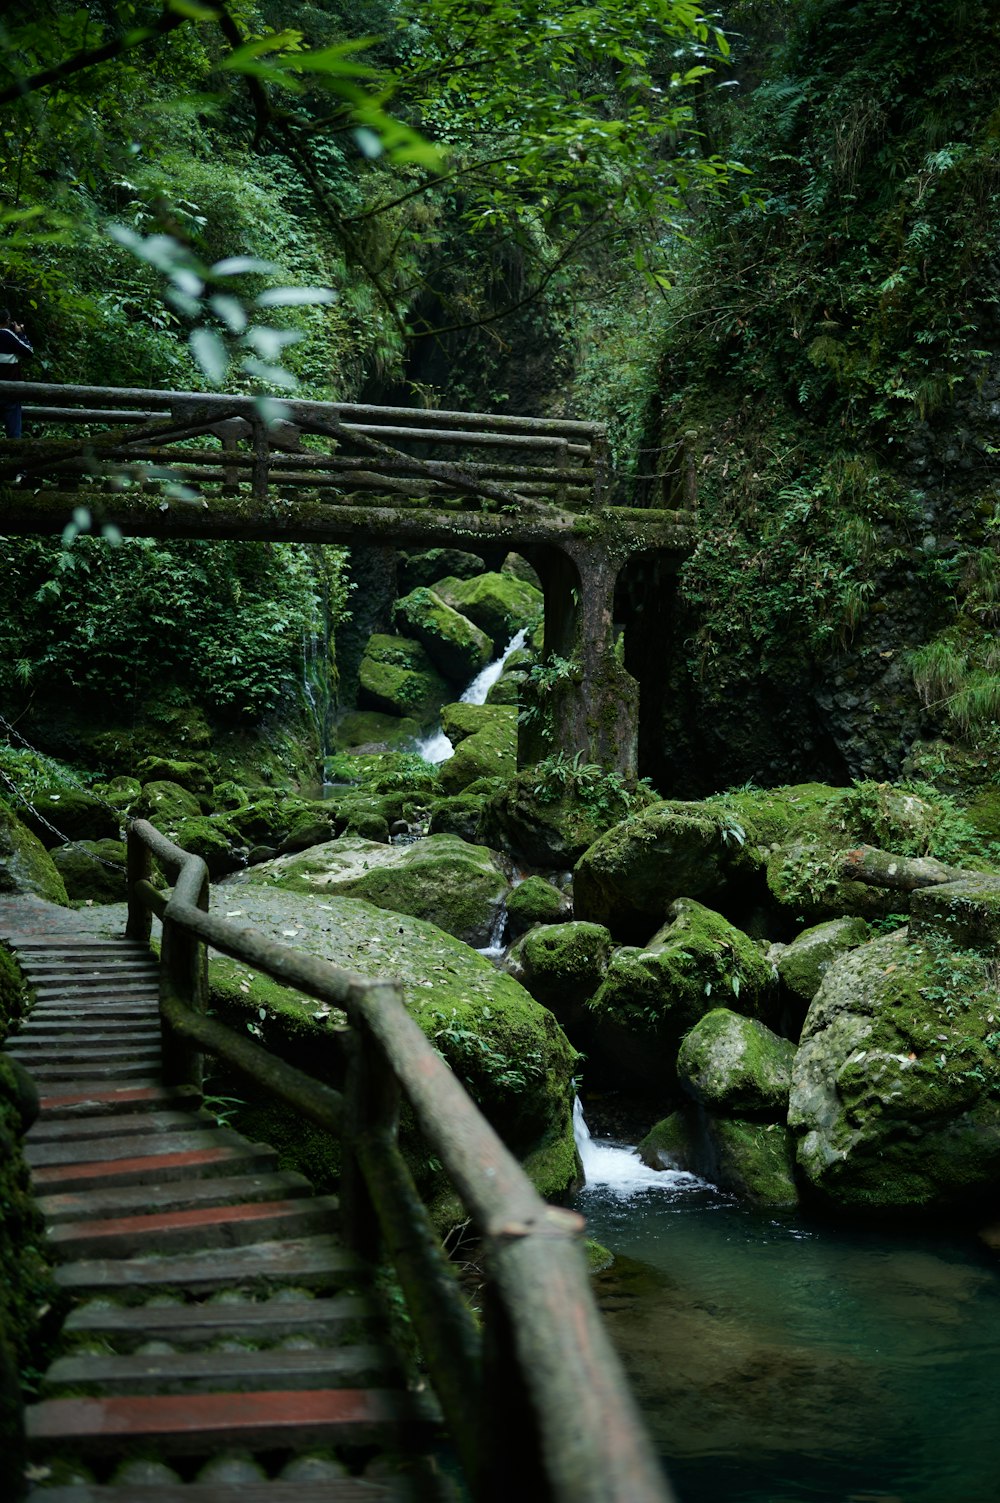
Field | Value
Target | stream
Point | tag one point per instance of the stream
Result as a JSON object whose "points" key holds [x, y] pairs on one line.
{"points": [[779, 1360]]}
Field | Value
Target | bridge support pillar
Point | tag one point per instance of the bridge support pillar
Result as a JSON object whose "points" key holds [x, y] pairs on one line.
{"points": [[581, 701]]}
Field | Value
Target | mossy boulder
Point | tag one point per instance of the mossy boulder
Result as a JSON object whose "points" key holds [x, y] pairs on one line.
{"points": [[804, 962], [778, 816], [629, 877], [369, 730], [397, 677], [754, 1160], [458, 815], [508, 688], [92, 870], [59, 814], [13, 992], [965, 914], [25, 864], [509, 1052], [736, 1067], [440, 879], [120, 792], [895, 1094], [535, 901], [165, 804], [190, 775], [499, 604], [805, 885], [490, 752], [550, 814], [456, 647], [460, 720], [214, 839], [432, 564], [651, 997], [562, 965]]}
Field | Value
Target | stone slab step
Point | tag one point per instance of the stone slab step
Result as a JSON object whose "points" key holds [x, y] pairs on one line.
{"points": [[262, 1322], [85, 994], [59, 1025], [191, 1230], [343, 1490], [231, 1372], [158, 1169], [204, 1424], [87, 960], [93, 1150], [312, 1262], [119, 1124], [48, 1051], [88, 1098], [92, 1205], [66, 1074]]}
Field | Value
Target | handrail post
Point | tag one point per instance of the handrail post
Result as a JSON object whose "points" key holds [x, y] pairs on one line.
{"points": [[510, 1461], [371, 1099], [261, 459], [138, 868], [183, 975]]}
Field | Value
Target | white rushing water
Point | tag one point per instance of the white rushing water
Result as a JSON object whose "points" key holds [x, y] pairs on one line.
{"points": [[620, 1171], [436, 747]]}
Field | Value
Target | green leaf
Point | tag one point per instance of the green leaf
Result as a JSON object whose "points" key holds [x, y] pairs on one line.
{"points": [[293, 297], [210, 353]]}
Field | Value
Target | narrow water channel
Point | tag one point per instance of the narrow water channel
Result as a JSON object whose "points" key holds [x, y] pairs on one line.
{"points": [[780, 1360]]}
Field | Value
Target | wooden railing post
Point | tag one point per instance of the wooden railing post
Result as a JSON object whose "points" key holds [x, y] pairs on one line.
{"points": [[371, 1110], [138, 868], [261, 459], [184, 976]]}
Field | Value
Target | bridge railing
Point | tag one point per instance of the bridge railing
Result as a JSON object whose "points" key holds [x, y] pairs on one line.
{"points": [[211, 441], [535, 1401]]}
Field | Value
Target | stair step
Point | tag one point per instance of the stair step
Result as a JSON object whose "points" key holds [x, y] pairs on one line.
{"points": [[194, 1229], [52, 1026], [204, 1424], [160, 1168], [123, 1070], [344, 1490], [235, 1372], [260, 1321], [119, 1124], [89, 1098], [50, 1052], [310, 1261], [101, 1150], [186, 1195]]}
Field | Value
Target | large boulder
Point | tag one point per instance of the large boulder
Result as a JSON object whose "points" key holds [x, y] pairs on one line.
{"points": [[489, 752], [372, 731], [550, 814], [25, 864], [189, 775], [804, 962], [651, 997], [441, 879], [509, 1052], [432, 564], [456, 647], [630, 876], [736, 1067], [562, 965], [535, 901], [92, 870], [499, 604], [754, 1160], [896, 1083], [165, 804], [397, 677], [64, 813]]}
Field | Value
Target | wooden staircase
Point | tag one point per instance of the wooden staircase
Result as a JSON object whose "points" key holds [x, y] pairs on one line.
{"points": [[221, 1342]]}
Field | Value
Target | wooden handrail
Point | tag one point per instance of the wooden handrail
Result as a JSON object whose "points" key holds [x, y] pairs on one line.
{"points": [[538, 1405]]}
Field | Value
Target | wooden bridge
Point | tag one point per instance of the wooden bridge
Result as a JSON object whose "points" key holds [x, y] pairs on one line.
{"points": [[223, 1342], [204, 465]]}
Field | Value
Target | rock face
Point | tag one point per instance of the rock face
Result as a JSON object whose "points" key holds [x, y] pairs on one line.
{"points": [[755, 1160], [499, 604], [629, 877], [803, 963], [25, 864], [895, 1084], [92, 869], [550, 820], [651, 997], [397, 677], [441, 879], [736, 1067], [456, 647]]}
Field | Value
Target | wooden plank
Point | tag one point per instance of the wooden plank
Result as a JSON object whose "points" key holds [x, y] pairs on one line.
{"points": [[125, 1200], [310, 1261], [350, 1366], [326, 1319], [195, 1229]]}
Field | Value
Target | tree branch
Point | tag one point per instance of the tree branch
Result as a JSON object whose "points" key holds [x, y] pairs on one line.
{"points": [[168, 21]]}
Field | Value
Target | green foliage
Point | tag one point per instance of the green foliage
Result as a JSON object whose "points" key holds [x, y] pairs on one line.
{"points": [[223, 623], [603, 794]]}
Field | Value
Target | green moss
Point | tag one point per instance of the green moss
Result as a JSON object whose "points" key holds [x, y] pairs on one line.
{"points": [[92, 870], [736, 1067], [551, 813], [66, 813], [190, 775], [755, 1160], [456, 647], [668, 1144], [487, 753], [25, 864], [13, 993], [460, 720], [536, 901], [459, 815], [563, 964], [165, 804], [499, 604], [396, 677], [803, 964]]}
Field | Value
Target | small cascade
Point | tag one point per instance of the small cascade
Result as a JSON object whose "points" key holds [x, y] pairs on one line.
{"points": [[436, 747], [620, 1171], [495, 948]]}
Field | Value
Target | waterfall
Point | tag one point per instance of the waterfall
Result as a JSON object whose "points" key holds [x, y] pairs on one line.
{"points": [[436, 747], [495, 949], [620, 1171]]}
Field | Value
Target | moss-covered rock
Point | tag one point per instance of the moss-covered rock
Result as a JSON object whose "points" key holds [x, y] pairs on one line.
{"points": [[509, 1052], [214, 839], [92, 870], [499, 604], [56, 815], [440, 879], [651, 997], [755, 1160], [779, 816], [804, 962], [165, 804], [397, 677], [432, 564], [964, 914], [489, 752], [120, 792], [629, 877], [458, 815], [550, 814], [368, 730], [535, 901], [190, 775], [461, 720], [25, 864], [456, 647], [805, 885], [13, 992], [562, 965], [736, 1067], [896, 1083], [669, 1144], [508, 688]]}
